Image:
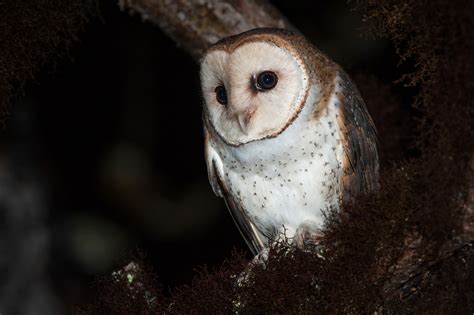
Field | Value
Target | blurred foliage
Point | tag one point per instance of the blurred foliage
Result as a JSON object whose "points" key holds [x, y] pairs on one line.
{"points": [[34, 35]]}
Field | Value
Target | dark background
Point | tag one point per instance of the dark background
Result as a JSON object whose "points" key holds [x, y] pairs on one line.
{"points": [[103, 154]]}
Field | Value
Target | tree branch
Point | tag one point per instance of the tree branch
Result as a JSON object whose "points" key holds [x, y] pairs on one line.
{"points": [[197, 24], [404, 293]]}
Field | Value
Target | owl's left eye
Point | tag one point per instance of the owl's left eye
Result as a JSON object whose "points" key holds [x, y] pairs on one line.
{"points": [[221, 95], [266, 80]]}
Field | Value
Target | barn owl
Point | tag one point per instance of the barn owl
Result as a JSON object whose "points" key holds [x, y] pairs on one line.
{"points": [[287, 135]]}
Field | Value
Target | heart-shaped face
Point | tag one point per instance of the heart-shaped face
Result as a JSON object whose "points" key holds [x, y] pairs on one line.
{"points": [[253, 90]]}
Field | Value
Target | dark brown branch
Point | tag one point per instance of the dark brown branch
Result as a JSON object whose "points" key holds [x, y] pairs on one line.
{"points": [[196, 24], [452, 270]]}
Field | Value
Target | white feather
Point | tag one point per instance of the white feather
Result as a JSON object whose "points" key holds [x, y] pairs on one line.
{"points": [[289, 180]]}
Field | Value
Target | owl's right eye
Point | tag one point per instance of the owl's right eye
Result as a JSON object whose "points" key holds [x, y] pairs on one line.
{"points": [[221, 95]]}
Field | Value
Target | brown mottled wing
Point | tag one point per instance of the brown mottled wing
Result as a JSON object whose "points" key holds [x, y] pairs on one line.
{"points": [[361, 172], [251, 235]]}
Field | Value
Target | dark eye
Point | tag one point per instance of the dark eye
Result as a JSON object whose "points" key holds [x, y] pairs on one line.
{"points": [[266, 80], [221, 94]]}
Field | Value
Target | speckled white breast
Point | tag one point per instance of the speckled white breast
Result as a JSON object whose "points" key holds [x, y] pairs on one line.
{"points": [[288, 180]]}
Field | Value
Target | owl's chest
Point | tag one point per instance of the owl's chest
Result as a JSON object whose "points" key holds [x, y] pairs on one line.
{"points": [[286, 183]]}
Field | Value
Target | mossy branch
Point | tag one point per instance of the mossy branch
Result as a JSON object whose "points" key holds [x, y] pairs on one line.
{"points": [[197, 24]]}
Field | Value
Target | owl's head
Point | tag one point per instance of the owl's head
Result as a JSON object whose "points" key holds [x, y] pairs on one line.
{"points": [[256, 83]]}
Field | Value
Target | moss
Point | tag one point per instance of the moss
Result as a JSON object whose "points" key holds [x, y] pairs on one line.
{"points": [[33, 34]]}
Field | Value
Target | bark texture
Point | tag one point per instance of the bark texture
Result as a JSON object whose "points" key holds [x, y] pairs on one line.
{"points": [[197, 24]]}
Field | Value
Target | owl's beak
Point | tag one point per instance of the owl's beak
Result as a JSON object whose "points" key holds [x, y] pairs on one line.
{"points": [[242, 123], [243, 118]]}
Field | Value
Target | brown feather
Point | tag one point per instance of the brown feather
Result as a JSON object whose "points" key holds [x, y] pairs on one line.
{"points": [[359, 136]]}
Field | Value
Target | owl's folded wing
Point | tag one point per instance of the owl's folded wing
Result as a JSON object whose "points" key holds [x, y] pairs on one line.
{"points": [[360, 143], [252, 236], [209, 154]]}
